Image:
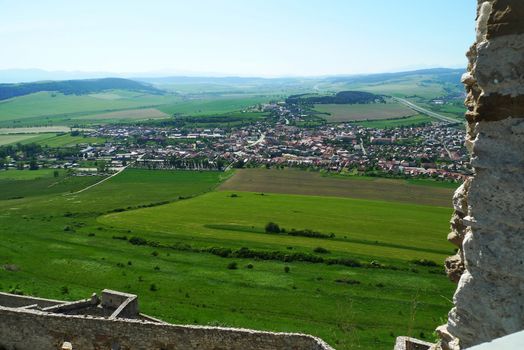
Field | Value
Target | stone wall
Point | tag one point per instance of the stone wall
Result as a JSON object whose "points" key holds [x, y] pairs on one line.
{"points": [[33, 329], [11, 300], [488, 223]]}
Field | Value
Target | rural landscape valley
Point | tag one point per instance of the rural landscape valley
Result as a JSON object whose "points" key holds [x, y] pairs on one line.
{"points": [[261, 175], [317, 206]]}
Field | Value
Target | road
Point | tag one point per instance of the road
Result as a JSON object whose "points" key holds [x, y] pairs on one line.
{"points": [[261, 139], [363, 148], [107, 178], [425, 111]]}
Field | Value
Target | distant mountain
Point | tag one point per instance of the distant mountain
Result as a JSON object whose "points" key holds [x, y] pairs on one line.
{"points": [[440, 75], [10, 76], [75, 87]]}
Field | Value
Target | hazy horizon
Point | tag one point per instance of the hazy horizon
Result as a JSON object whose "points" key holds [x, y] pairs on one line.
{"points": [[234, 38]]}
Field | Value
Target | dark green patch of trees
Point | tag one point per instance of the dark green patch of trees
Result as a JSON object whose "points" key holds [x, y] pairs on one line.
{"points": [[343, 97], [75, 87]]}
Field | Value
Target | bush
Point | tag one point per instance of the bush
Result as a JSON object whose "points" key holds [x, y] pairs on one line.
{"points": [[310, 233], [64, 290], [222, 252], [321, 250], [424, 262], [153, 287], [232, 265], [137, 241], [249, 266], [271, 227], [286, 269], [123, 238], [155, 253], [233, 195], [347, 281]]}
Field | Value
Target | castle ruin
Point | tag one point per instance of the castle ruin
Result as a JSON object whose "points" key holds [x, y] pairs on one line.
{"points": [[113, 322]]}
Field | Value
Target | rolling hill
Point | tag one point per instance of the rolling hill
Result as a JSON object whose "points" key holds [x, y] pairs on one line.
{"points": [[75, 87]]}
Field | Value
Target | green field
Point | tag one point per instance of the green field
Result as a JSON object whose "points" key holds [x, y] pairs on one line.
{"points": [[336, 113], [56, 239], [395, 122], [48, 108], [16, 138], [50, 140], [213, 105]]}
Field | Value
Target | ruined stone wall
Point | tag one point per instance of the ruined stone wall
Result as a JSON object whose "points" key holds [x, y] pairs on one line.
{"points": [[32, 329], [11, 300], [488, 223]]}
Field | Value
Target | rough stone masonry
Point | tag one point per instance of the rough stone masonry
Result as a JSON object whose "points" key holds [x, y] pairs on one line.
{"points": [[488, 222]]}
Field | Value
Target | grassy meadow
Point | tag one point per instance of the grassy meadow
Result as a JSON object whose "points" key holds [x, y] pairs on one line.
{"points": [[175, 240]]}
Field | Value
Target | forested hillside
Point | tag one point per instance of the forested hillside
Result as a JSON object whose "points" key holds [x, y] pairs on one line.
{"points": [[74, 87]]}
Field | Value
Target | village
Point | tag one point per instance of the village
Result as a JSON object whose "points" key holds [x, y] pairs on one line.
{"points": [[434, 151]]}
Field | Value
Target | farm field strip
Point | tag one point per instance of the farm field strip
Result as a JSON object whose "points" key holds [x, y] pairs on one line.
{"points": [[133, 114], [291, 181], [355, 112]]}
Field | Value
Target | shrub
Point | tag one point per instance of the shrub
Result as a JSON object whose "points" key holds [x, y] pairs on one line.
{"points": [[157, 268], [137, 241], [233, 195], [286, 269], [154, 253], [222, 252], [153, 287], [249, 266], [321, 250], [424, 262], [310, 233], [347, 281], [232, 265], [64, 290], [91, 234], [271, 227], [123, 238]]}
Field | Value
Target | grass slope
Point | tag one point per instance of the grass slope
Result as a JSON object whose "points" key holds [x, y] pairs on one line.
{"points": [[63, 246]]}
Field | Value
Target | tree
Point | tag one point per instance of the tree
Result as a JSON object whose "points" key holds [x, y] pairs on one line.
{"points": [[33, 165], [101, 166], [271, 227]]}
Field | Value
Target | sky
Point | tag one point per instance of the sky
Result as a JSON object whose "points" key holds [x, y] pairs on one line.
{"points": [[235, 37]]}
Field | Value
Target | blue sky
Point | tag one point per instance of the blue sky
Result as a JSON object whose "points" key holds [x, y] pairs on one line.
{"points": [[235, 37]]}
